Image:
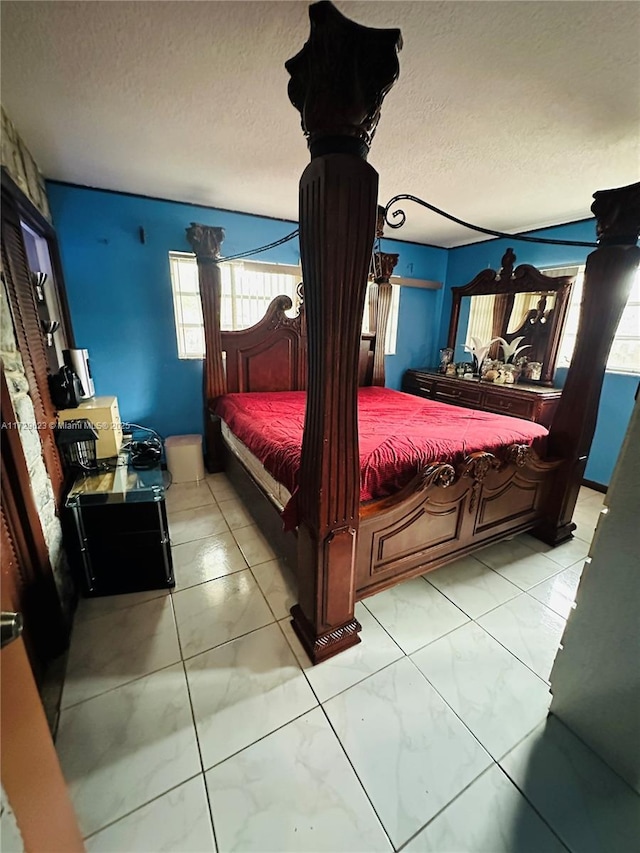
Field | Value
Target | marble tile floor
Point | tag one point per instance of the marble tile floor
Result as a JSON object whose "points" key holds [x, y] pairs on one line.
{"points": [[193, 721]]}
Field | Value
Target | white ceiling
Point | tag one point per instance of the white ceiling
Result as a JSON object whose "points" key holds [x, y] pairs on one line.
{"points": [[508, 114]]}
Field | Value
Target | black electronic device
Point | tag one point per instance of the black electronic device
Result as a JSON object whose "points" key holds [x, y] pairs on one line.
{"points": [[66, 388]]}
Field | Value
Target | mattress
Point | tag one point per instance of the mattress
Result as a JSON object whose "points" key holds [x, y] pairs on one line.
{"points": [[278, 493], [399, 434]]}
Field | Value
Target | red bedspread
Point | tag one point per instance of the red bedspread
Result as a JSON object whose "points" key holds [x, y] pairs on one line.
{"points": [[399, 434]]}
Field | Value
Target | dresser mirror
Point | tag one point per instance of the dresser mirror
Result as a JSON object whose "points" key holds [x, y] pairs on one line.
{"points": [[524, 307]]}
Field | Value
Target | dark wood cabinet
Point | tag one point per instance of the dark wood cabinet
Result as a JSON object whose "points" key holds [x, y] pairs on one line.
{"points": [[116, 530], [531, 402]]}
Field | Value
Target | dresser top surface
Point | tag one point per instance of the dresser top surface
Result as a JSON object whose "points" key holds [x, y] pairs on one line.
{"points": [[542, 390]]}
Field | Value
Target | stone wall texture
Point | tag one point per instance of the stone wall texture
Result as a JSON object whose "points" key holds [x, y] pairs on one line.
{"points": [[40, 482], [24, 170]]}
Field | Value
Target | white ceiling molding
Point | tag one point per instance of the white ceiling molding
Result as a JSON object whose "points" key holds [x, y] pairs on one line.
{"points": [[509, 115]]}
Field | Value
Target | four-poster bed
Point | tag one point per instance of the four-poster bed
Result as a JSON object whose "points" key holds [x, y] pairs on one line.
{"points": [[452, 503]]}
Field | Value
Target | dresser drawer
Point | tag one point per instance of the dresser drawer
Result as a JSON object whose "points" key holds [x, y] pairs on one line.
{"points": [[421, 385], [461, 394], [505, 404], [531, 403]]}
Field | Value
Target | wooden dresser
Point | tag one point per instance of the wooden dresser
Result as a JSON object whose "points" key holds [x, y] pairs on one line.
{"points": [[532, 402]]}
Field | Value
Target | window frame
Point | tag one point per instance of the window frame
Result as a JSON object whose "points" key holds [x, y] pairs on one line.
{"points": [[262, 267], [567, 269]]}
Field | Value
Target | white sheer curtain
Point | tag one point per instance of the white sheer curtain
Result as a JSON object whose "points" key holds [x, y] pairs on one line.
{"points": [[481, 319]]}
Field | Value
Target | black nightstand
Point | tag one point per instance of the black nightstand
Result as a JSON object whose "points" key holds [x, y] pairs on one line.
{"points": [[116, 531]]}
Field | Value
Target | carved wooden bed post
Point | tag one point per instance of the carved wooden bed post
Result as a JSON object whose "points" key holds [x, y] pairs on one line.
{"points": [[608, 278], [338, 82], [205, 240]]}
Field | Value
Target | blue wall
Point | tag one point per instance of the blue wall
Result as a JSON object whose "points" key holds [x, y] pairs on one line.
{"points": [[122, 309], [618, 390], [419, 312], [121, 303]]}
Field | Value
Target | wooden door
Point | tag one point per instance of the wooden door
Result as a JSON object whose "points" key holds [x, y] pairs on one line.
{"points": [[31, 776], [28, 585]]}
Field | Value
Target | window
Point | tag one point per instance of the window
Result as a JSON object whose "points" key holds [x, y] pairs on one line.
{"points": [[391, 336], [625, 350], [247, 291]]}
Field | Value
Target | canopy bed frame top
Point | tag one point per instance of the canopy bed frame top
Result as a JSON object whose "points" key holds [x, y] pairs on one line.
{"points": [[344, 551]]}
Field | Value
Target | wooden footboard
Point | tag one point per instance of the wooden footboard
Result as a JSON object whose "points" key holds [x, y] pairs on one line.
{"points": [[441, 515], [447, 512]]}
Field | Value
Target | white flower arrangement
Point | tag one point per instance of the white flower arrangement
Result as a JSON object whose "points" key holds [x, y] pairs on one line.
{"points": [[479, 350], [511, 350]]}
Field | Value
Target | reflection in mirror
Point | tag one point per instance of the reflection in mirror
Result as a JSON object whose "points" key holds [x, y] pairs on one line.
{"points": [[486, 317], [476, 321], [532, 319]]}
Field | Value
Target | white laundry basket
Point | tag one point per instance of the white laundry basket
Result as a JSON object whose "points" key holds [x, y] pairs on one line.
{"points": [[184, 458]]}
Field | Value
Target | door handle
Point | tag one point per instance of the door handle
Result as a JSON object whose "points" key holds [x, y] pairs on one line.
{"points": [[10, 627]]}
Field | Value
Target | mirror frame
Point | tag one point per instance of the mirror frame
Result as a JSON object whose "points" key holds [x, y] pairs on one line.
{"points": [[508, 282]]}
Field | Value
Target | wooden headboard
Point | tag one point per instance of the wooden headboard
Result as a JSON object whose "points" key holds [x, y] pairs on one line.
{"points": [[272, 355]]}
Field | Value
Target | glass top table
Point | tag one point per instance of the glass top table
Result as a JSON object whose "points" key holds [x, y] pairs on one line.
{"points": [[122, 484]]}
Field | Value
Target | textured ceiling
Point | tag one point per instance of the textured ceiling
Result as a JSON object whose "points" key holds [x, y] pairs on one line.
{"points": [[508, 114]]}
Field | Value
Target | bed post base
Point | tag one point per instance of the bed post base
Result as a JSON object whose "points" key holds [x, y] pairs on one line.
{"points": [[319, 647], [554, 535]]}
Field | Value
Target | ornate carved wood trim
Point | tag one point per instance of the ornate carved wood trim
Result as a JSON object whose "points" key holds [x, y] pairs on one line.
{"points": [[609, 275], [326, 645], [476, 467], [269, 356], [272, 354], [519, 454], [441, 474], [338, 82]]}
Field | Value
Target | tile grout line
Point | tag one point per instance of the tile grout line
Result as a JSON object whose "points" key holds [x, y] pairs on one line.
{"points": [[495, 761], [175, 591], [475, 736], [230, 640], [259, 740], [468, 615], [264, 595], [532, 806], [195, 729], [344, 690], [393, 639], [320, 704], [118, 686], [83, 620], [444, 808], [135, 677], [506, 648], [355, 773], [142, 806]]}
